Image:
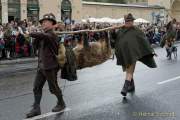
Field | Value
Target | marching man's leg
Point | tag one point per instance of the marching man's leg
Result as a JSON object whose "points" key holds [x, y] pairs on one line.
{"points": [[51, 76], [129, 82], [37, 90]]}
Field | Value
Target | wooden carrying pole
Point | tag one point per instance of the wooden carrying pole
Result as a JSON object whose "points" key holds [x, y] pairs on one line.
{"points": [[86, 31]]}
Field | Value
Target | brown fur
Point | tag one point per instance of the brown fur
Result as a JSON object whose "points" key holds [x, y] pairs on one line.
{"points": [[61, 57], [96, 53]]}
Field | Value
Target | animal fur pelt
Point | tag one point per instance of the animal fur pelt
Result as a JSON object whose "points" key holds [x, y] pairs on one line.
{"points": [[61, 57], [96, 53]]}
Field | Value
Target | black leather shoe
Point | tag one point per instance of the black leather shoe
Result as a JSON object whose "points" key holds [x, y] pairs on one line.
{"points": [[34, 112], [125, 88], [131, 87], [59, 107], [167, 51]]}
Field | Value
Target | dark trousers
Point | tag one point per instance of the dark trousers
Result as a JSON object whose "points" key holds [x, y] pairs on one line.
{"points": [[51, 77]]}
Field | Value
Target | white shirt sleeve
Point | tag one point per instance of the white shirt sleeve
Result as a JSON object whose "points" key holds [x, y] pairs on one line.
{"points": [[20, 30]]}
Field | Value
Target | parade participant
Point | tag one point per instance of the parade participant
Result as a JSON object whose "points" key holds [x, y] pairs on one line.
{"points": [[2, 43], [47, 43], [170, 36], [131, 46]]}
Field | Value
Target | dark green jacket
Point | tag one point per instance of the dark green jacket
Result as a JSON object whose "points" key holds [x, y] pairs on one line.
{"points": [[170, 35], [68, 71], [131, 45]]}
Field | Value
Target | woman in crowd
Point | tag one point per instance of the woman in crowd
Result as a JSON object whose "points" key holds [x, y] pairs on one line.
{"points": [[2, 43]]}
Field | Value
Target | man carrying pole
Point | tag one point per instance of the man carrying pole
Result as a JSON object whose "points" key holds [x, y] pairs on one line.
{"points": [[131, 46], [47, 44]]}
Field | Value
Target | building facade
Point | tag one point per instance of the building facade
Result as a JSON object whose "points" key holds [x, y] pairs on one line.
{"points": [[171, 6], [34, 9], [99, 10], [77, 9]]}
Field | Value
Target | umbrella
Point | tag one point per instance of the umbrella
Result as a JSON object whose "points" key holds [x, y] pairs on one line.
{"points": [[106, 19], [121, 20], [140, 20], [84, 20], [92, 19]]}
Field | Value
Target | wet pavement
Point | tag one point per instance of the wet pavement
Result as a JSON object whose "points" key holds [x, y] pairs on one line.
{"points": [[96, 93]]}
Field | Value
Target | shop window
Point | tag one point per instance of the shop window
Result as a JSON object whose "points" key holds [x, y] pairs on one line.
{"points": [[33, 10], [14, 10], [66, 11]]}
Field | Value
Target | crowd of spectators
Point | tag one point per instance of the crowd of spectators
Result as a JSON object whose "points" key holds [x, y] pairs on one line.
{"points": [[155, 33], [15, 42]]}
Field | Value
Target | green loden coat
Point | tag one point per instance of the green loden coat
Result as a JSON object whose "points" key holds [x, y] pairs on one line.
{"points": [[170, 35], [131, 46]]}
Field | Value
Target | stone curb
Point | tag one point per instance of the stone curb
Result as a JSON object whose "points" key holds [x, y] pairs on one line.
{"points": [[4, 74], [18, 61]]}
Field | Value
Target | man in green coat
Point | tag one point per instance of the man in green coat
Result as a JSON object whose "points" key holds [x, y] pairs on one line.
{"points": [[131, 46]]}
